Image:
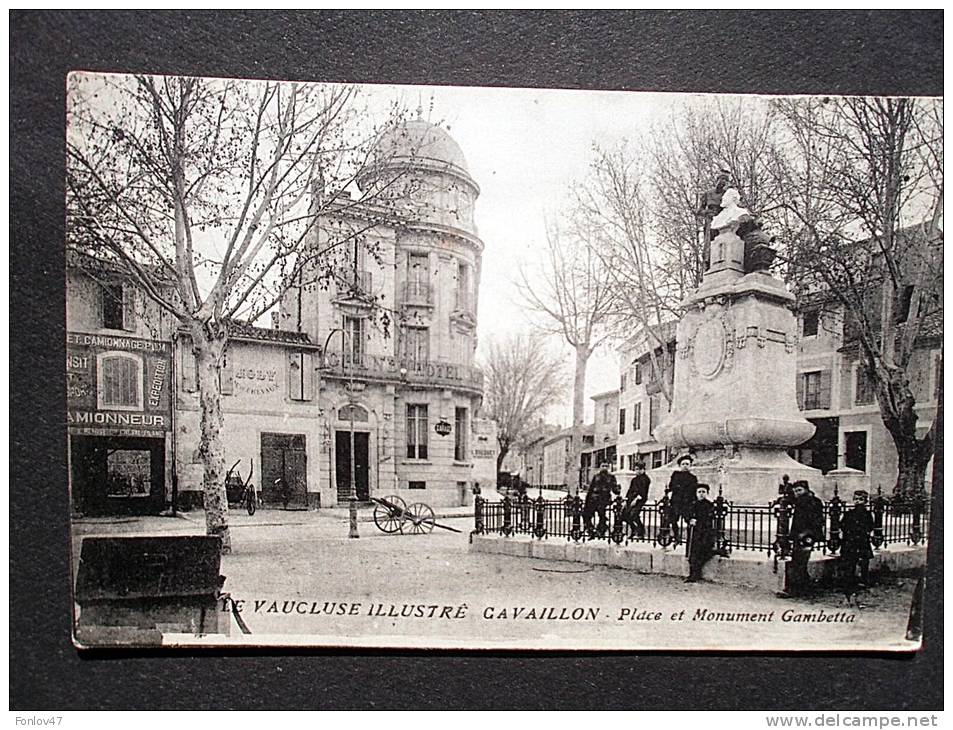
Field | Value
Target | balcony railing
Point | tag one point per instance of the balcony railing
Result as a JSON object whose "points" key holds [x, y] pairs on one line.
{"points": [[416, 292]]}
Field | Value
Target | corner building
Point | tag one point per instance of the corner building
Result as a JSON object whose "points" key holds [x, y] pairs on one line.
{"points": [[411, 389]]}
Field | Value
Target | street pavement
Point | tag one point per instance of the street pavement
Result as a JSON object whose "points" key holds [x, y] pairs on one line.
{"points": [[298, 578]]}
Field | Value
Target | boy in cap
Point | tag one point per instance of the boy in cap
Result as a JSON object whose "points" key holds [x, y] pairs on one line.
{"points": [[807, 528], [681, 491], [856, 549], [635, 500], [598, 499], [700, 533]]}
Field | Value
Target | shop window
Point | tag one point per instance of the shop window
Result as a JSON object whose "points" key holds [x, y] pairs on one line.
{"points": [[417, 431], [300, 376], [810, 323], [129, 473], [621, 421], [460, 435], [120, 381]]}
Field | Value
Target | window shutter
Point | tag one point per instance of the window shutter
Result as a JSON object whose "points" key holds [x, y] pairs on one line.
{"points": [[307, 376], [824, 390], [128, 308], [226, 375], [189, 369], [294, 375], [800, 391]]}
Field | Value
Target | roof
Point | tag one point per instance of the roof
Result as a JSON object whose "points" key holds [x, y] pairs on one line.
{"points": [[605, 394], [663, 332], [240, 330], [422, 141]]}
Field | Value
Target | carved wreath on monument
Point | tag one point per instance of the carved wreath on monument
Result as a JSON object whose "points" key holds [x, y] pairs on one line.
{"points": [[710, 347]]}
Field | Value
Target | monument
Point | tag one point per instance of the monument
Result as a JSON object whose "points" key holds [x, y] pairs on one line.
{"points": [[734, 403]]}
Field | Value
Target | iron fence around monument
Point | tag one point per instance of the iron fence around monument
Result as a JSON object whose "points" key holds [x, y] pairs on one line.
{"points": [[763, 528]]}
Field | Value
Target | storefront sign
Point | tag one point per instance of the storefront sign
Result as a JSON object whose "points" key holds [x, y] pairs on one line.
{"points": [[387, 366], [443, 428], [118, 385]]}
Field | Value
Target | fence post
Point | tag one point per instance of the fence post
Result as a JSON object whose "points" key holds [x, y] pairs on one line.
{"points": [[834, 510], [782, 535], [478, 515], [507, 529], [617, 534], [540, 528], [880, 506], [722, 545], [664, 535], [915, 535], [575, 511]]}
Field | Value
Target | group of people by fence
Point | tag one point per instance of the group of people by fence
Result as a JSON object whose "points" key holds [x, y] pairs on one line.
{"points": [[689, 505]]}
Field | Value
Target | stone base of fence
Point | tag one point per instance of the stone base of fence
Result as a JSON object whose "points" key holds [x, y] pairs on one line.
{"points": [[744, 568]]}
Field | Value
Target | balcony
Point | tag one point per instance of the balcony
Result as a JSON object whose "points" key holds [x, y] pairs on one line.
{"points": [[417, 293]]}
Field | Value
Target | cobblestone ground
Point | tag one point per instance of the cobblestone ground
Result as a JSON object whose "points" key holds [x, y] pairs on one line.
{"points": [[300, 579]]}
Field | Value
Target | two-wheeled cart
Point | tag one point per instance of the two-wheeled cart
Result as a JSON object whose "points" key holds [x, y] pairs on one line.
{"points": [[392, 515]]}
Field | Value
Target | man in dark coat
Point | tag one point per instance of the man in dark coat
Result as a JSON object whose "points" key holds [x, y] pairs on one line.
{"points": [[598, 498], [807, 528], [635, 499], [681, 494], [856, 549], [701, 534]]}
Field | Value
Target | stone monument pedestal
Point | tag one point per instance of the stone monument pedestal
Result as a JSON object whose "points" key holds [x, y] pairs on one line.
{"points": [[735, 403]]}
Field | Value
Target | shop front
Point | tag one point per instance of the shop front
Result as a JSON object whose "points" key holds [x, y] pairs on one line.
{"points": [[118, 417]]}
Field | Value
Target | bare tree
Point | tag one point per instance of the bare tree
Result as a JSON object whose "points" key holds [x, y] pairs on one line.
{"points": [[863, 221], [572, 293], [522, 381], [207, 194]]}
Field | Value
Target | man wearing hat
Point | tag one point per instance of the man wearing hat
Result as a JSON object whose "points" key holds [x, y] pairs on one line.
{"points": [[598, 498], [681, 493], [701, 536], [856, 526], [807, 528]]}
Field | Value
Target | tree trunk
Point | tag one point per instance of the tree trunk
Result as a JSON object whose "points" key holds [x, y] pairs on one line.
{"points": [[208, 355], [573, 472], [913, 454], [911, 473], [504, 450]]}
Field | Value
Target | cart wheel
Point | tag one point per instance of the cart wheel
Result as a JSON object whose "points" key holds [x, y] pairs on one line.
{"points": [[390, 521], [251, 503], [420, 519]]}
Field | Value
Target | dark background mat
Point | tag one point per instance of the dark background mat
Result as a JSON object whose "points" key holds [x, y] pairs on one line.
{"points": [[779, 52]]}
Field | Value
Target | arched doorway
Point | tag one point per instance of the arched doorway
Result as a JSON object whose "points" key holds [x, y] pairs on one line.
{"points": [[345, 416]]}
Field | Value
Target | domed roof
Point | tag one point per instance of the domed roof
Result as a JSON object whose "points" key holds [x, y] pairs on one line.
{"points": [[421, 141]]}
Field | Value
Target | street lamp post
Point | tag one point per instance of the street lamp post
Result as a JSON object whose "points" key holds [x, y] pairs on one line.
{"points": [[352, 487]]}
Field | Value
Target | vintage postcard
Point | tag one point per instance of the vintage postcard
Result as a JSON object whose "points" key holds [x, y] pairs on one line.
{"points": [[486, 368]]}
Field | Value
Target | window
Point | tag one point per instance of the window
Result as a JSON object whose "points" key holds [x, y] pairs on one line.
{"points": [[460, 435], [418, 277], [637, 417], [621, 421], [864, 394], [814, 390], [607, 413], [638, 373], [653, 413], [810, 322], [416, 485], [658, 458], [633, 458], [120, 381], [855, 450], [117, 307], [902, 309], [463, 287], [300, 375], [416, 431], [354, 326], [416, 346], [622, 383]]}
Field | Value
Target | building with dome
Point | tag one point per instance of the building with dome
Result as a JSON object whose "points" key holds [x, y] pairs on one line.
{"points": [[408, 384]]}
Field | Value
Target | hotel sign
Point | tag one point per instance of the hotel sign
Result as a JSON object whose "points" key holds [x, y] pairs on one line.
{"points": [[117, 385], [389, 367]]}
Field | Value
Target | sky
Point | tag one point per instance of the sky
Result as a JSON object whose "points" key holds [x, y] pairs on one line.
{"points": [[524, 147]]}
